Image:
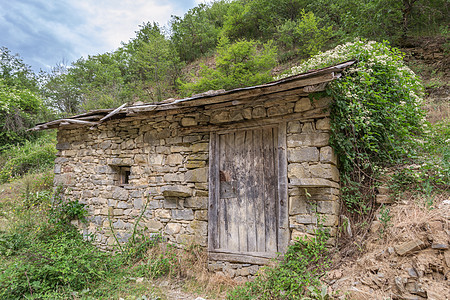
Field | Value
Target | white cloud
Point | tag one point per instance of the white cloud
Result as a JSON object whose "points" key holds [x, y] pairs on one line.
{"points": [[197, 2], [107, 23], [45, 32]]}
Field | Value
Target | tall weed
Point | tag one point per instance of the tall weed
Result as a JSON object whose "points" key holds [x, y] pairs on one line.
{"points": [[298, 274]]}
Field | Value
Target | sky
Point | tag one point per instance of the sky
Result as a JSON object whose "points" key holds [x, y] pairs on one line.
{"points": [[49, 32]]}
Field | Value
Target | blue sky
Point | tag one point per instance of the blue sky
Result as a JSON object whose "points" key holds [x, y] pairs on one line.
{"points": [[48, 32]]}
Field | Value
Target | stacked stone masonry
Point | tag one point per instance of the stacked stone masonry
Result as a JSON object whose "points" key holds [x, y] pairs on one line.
{"points": [[167, 153]]}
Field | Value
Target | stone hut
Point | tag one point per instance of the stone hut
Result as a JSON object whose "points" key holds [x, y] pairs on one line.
{"points": [[241, 172]]}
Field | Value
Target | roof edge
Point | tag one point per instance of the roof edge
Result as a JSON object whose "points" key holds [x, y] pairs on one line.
{"points": [[96, 117]]}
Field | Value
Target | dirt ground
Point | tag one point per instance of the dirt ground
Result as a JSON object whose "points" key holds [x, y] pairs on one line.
{"points": [[407, 259]]}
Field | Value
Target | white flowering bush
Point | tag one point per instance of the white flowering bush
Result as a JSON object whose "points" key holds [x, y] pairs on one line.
{"points": [[376, 113]]}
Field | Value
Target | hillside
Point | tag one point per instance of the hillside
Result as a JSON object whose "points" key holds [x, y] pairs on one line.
{"points": [[404, 256]]}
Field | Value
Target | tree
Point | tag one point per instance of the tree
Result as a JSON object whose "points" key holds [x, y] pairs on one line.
{"points": [[240, 64], [15, 73], [19, 110], [60, 91], [303, 36], [197, 33], [152, 63], [98, 81], [391, 20], [20, 103]]}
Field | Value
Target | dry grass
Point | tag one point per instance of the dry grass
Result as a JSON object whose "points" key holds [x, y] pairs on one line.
{"points": [[438, 108], [409, 220], [194, 263], [189, 269]]}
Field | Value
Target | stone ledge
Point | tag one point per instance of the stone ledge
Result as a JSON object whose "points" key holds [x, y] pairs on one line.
{"points": [[313, 182], [176, 191]]}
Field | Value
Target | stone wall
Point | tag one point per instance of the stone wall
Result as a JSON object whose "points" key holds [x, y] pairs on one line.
{"points": [[311, 159], [167, 152]]}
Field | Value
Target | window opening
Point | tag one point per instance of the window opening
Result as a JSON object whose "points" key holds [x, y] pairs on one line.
{"points": [[122, 175]]}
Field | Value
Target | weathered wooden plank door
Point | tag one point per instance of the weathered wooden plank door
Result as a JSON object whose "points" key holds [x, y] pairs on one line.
{"points": [[246, 217]]}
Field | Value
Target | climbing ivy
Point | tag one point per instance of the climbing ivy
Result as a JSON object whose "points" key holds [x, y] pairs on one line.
{"points": [[376, 113]]}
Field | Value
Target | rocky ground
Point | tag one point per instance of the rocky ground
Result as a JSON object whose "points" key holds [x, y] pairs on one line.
{"points": [[407, 257]]}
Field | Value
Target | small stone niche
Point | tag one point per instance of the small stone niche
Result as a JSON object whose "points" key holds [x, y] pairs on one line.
{"points": [[122, 175]]}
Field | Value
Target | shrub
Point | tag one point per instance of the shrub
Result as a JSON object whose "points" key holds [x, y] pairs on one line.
{"points": [[376, 114], [430, 172], [304, 33], [239, 64], [63, 260], [62, 212], [36, 155]]}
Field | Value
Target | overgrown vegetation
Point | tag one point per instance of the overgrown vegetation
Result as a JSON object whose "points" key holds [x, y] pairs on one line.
{"points": [[237, 65], [43, 256], [376, 115], [150, 66], [297, 275], [430, 171], [33, 156], [20, 103]]}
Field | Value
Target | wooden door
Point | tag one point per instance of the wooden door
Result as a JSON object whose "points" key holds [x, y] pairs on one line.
{"points": [[245, 207]]}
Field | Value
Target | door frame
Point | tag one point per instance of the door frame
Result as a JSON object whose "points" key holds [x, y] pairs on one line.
{"points": [[283, 235]]}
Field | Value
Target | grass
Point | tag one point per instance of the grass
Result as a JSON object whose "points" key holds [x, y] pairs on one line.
{"points": [[37, 254], [41, 259], [32, 156], [42, 256]]}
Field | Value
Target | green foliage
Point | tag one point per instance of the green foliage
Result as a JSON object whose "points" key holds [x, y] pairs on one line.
{"points": [[148, 67], [20, 103], [430, 172], [381, 19], [259, 19], [35, 198], [237, 65], [196, 33], [297, 275], [63, 211], [375, 114], [303, 34], [15, 73], [385, 219], [47, 260], [152, 64], [19, 109], [98, 81], [145, 68], [59, 260], [62, 90], [33, 156]]}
